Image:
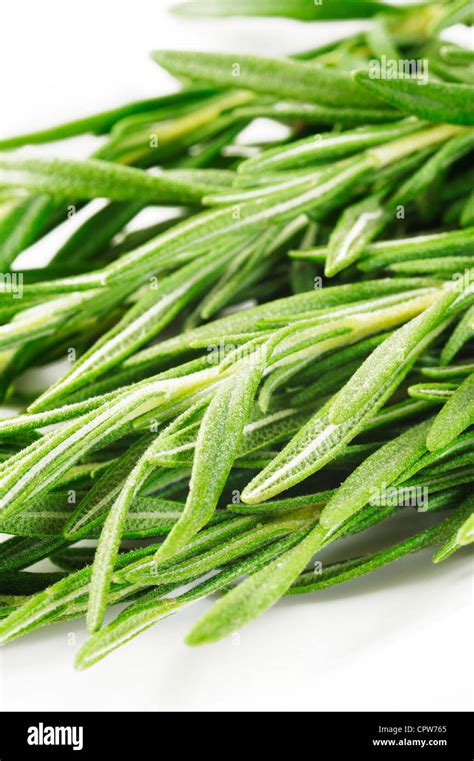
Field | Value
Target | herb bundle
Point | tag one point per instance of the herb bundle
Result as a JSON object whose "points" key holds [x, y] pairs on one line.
{"points": [[285, 362]]}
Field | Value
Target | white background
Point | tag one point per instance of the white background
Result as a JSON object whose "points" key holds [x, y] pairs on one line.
{"points": [[399, 639]]}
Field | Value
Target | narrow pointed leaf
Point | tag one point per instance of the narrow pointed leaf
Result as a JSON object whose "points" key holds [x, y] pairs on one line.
{"points": [[217, 446], [328, 146], [339, 573], [140, 616], [158, 306], [455, 417], [355, 229], [71, 179], [109, 542], [96, 123], [461, 536], [435, 101], [254, 596], [403, 346], [289, 79], [462, 333], [379, 470], [304, 10]]}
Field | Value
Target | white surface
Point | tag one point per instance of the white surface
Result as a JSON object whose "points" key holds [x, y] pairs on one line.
{"points": [[396, 640]]}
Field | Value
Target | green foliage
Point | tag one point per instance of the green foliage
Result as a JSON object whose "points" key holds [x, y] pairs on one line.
{"points": [[251, 378]]}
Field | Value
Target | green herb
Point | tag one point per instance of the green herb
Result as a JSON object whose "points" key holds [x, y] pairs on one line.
{"points": [[283, 78], [455, 417], [90, 179], [441, 101], [217, 445], [240, 394], [305, 10]]}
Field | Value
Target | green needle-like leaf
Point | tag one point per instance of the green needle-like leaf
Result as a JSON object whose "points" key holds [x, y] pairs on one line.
{"points": [[379, 470], [455, 417], [151, 609], [304, 10], [255, 595], [320, 148], [217, 447], [461, 536], [462, 333], [98, 123], [20, 226], [230, 551], [356, 227], [157, 307], [109, 542], [339, 573], [92, 178], [402, 347], [435, 101], [309, 82]]}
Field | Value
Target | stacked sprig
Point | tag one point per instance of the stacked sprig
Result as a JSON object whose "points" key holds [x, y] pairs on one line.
{"points": [[286, 361]]}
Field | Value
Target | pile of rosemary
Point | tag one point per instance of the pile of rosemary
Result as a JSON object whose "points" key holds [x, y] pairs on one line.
{"points": [[287, 360]]}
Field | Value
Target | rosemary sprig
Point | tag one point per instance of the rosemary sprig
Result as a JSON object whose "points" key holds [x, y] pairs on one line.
{"points": [[284, 362]]}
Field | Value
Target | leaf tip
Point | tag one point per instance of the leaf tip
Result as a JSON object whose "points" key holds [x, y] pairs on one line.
{"points": [[251, 496], [332, 269], [94, 620], [80, 662], [194, 639], [202, 634]]}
